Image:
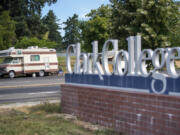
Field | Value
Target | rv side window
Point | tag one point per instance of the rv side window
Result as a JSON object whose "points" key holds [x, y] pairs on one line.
{"points": [[35, 58]]}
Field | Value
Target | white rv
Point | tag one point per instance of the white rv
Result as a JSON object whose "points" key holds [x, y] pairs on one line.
{"points": [[33, 61]]}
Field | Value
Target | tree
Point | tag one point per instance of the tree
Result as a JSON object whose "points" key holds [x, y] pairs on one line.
{"points": [[50, 20], [175, 31], [102, 11], [97, 27], [7, 31], [27, 15], [26, 42], [151, 19], [36, 26], [72, 31], [24, 7]]}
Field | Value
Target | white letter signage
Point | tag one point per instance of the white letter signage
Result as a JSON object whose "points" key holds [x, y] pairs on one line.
{"points": [[132, 63]]}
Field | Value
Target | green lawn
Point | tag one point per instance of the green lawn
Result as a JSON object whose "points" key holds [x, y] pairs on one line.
{"points": [[1, 60], [40, 120]]}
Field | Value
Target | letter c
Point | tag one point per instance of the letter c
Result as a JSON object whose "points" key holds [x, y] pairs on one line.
{"points": [[68, 57]]}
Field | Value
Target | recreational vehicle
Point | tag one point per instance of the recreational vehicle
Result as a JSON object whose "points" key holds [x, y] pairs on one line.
{"points": [[31, 61]]}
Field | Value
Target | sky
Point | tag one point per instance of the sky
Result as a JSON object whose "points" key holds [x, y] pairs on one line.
{"points": [[64, 9]]}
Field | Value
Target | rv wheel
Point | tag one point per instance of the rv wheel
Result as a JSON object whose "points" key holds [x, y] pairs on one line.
{"points": [[41, 73], [34, 75], [11, 74]]}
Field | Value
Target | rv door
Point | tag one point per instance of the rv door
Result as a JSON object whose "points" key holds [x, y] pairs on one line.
{"points": [[46, 62]]}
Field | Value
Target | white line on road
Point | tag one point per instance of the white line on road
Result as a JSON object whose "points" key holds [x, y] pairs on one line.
{"points": [[42, 93], [33, 85]]}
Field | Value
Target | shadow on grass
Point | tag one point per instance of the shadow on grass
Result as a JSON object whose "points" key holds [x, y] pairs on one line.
{"points": [[55, 108]]}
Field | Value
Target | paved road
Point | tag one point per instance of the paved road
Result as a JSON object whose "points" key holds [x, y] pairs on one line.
{"points": [[28, 89], [30, 81]]}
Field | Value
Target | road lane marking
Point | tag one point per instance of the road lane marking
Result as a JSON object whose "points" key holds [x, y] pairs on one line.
{"points": [[33, 85], [42, 93], [19, 96]]}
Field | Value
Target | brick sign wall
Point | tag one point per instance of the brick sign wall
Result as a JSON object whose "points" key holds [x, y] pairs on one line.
{"points": [[131, 113]]}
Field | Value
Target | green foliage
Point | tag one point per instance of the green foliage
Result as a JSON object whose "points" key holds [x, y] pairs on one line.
{"points": [[174, 35], [1, 60], [175, 31], [31, 26], [24, 22], [24, 7], [36, 26], [50, 20], [72, 31], [7, 30], [153, 20], [97, 27], [62, 62], [102, 11], [26, 42], [22, 28], [27, 15]]}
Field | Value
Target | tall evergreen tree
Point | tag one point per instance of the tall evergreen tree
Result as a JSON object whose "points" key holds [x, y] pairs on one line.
{"points": [[36, 26], [7, 31], [27, 15], [50, 20], [24, 7], [72, 31]]}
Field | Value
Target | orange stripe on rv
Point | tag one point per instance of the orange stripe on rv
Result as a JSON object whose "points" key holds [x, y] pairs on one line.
{"points": [[39, 64], [28, 64], [32, 71]]}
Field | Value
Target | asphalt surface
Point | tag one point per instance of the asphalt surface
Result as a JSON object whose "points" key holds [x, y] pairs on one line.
{"points": [[28, 89]]}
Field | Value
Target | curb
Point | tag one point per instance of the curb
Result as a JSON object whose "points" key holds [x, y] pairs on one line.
{"points": [[34, 85]]}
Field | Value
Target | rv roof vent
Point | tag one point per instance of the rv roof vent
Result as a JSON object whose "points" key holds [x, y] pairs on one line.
{"points": [[33, 47], [11, 48], [30, 47]]}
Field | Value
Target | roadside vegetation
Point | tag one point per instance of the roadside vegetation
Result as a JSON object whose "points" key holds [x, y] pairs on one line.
{"points": [[1, 60], [44, 119], [62, 62]]}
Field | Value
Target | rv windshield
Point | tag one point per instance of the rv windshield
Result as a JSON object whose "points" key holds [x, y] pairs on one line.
{"points": [[7, 60]]}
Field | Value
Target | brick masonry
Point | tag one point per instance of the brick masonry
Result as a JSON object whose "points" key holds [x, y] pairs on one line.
{"points": [[130, 113]]}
